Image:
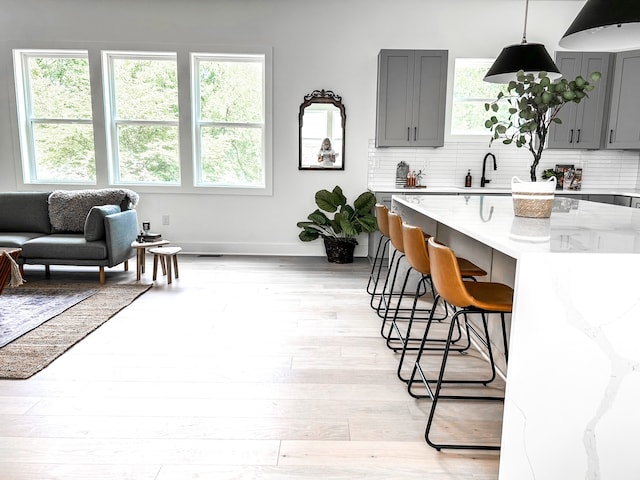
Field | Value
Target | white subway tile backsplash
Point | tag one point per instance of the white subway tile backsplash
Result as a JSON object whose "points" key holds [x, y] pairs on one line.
{"points": [[448, 165]]}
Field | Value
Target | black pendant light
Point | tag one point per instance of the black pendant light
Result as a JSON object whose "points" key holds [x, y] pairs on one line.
{"points": [[529, 57], [605, 25]]}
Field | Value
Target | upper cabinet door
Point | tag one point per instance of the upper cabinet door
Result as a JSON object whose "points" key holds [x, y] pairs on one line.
{"points": [[583, 124], [411, 98], [395, 97], [429, 98], [624, 119]]}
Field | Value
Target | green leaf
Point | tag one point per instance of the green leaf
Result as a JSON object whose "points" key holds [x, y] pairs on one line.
{"points": [[495, 107], [319, 218], [365, 202], [308, 235], [330, 201], [368, 224]]}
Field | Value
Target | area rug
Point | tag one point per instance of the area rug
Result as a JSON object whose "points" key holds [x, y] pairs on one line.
{"points": [[23, 309], [34, 350]]}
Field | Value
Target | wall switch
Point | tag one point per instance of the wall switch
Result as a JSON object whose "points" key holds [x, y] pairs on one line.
{"points": [[165, 219]]}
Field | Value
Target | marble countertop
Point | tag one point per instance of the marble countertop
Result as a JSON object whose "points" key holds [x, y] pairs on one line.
{"points": [[575, 226]]}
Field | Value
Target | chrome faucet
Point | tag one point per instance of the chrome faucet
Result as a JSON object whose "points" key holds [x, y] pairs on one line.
{"points": [[483, 180]]}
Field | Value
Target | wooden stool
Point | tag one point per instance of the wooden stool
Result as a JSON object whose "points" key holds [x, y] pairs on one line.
{"points": [[167, 253]]}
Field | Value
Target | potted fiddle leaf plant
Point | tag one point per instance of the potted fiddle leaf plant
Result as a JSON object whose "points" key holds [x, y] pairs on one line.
{"points": [[533, 103], [340, 231]]}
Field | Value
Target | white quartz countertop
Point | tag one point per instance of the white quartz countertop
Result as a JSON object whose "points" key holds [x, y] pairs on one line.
{"points": [[575, 226], [439, 190]]}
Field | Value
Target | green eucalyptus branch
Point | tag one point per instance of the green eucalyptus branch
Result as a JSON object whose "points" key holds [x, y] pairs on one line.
{"points": [[533, 104]]}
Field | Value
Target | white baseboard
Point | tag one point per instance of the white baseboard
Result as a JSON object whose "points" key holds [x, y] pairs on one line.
{"points": [[310, 249]]}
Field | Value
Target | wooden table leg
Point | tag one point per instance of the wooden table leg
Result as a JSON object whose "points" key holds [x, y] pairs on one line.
{"points": [[168, 270], [138, 264]]}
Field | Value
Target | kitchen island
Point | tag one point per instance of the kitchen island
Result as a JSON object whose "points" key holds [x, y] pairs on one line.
{"points": [[573, 379]]}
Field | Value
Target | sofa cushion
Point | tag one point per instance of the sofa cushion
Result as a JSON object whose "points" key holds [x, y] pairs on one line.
{"points": [[24, 212], [68, 209], [64, 247], [94, 224], [16, 239]]}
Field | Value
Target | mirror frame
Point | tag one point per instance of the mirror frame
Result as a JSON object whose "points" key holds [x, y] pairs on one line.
{"points": [[321, 96]]}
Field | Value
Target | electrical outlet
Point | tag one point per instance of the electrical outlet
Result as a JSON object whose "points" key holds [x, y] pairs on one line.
{"points": [[165, 220]]}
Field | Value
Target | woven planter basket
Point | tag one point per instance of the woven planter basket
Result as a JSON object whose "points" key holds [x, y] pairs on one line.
{"points": [[533, 199]]}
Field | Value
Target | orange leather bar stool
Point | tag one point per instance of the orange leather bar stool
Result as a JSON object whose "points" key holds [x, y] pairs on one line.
{"points": [[383, 244], [389, 290], [469, 298], [415, 249]]}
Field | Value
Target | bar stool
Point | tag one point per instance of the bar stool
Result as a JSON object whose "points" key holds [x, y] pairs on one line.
{"points": [[166, 255], [415, 248], [381, 250], [469, 298], [395, 233]]}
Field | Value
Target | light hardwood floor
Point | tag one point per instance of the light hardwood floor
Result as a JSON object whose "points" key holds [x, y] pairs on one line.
{"points": [[244, 368]]}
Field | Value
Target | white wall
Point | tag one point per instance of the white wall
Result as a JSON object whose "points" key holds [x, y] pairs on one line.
{"points": [[330, 44]]}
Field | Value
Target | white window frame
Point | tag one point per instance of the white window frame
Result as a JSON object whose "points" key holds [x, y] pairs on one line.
{"points": [[467, 137], [198, 123], [26, 118], [100, 106], [112, 120]]}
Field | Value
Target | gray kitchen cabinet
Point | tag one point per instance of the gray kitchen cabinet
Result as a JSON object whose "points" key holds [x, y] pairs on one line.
{"points": [[583, 124], [412, 91], [610, 199], [622, 200], [624, 118]]}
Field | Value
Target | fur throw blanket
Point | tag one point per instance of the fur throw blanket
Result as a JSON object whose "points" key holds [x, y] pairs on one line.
{"points": [[68, 209]]}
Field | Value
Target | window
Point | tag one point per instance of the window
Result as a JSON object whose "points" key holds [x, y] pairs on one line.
{"points": [[143, 113], [229, 122], [470, 93], [55, 117], [151, 119]]}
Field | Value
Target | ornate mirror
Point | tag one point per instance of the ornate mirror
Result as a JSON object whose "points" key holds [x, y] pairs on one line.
{"points": [[321, 121]]}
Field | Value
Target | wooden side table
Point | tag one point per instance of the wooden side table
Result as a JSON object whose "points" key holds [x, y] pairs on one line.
{"points": [[141, 249]]}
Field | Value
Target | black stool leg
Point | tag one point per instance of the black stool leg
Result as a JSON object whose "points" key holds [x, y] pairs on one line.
{"points": [[378, 260]]}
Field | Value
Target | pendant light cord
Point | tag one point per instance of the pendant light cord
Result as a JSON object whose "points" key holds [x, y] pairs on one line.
{"points": [[526, 13]]}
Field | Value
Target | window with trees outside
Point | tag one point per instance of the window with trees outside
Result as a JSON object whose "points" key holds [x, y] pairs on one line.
{"points": [[229, 124], [470, 93], [143, 113], [196, 121], [55, 117]]}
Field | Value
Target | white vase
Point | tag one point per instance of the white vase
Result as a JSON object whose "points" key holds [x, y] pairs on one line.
{"points": [[533, 199]]}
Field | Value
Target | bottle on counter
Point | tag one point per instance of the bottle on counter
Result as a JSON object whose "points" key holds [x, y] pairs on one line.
{"points": [[467, 179]]}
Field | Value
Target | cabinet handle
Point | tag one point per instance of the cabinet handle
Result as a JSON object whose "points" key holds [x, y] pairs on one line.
{"points": [[578, 139], [408, 133], [415, 133], [611, 136], [571, 136]]}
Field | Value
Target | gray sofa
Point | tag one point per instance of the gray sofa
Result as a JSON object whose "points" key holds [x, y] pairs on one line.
{"points": [[81, 227]]}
